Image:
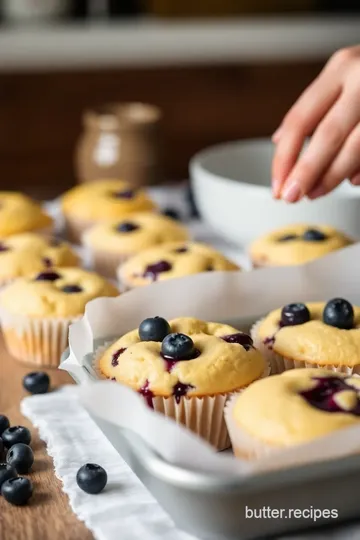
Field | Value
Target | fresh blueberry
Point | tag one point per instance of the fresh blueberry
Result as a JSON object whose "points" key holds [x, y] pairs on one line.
{"points": [[339, 313], [4, 423], [314, 235], [16, 434], [172, 213], [6, 472], [153, 270], [36, 382], [17, 490], [127, 226], [3, 247], [287, 237], [21, 457], [178, 346], [47, 276], [154, 329], [241, 339], [71, 289], [125, 194], [91, 478], [294, 314]]}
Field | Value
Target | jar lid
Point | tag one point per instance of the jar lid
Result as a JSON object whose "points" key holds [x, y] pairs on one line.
{"points": [[115, 115]]}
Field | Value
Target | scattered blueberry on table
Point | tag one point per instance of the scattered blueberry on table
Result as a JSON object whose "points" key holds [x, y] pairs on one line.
{"points": [[16, 434], [21, 457], [154, 329], [36, 382], [6, 472], [339, 313], [17, 490], [91, 478], [4, 423]]}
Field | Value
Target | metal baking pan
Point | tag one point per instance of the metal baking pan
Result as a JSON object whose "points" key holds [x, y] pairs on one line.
{"points": [[213, 507]]}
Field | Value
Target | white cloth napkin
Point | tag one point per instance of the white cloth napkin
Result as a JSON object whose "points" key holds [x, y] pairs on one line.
{"points": [[125, 508]]}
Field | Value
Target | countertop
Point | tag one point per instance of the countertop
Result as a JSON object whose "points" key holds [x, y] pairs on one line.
{"points": [[48, 515]]}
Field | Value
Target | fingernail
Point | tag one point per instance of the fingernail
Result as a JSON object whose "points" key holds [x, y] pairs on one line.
{"points": [[291, 192], [355, 181], [276, 188], [317, 192], [276, 135]]}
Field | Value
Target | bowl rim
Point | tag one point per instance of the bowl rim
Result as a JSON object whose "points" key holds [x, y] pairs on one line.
{"points": [[196, 167]]}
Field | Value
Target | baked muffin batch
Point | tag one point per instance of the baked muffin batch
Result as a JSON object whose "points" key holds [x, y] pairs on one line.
{"points": [[209, 376]]}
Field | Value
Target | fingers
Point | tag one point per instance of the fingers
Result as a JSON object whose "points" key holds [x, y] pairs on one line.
{"points": [[323, 148], [345, 165], [300, 122]]}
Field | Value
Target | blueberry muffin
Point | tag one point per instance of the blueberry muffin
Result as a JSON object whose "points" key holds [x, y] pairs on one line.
{"points": [[19, 213], [103, 200], [113, 242], [28, 253], [311, 335], [186, 369], [171, 261], [261, 418], [36, 311], [296, 244]]}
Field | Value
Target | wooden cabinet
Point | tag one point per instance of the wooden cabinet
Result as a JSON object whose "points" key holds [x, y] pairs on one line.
{"points": [[40, 113]]}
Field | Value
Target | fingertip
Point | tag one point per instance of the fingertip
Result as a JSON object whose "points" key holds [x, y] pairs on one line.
{"points": [[276, 188], [276, 135], [291, 192]]}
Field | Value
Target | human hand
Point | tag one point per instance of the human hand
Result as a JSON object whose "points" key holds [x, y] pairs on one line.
{"points": [[330, 110]]}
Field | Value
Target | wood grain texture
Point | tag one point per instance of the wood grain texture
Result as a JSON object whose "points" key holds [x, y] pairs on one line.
{"points": [[40, 113], [48, 515]]}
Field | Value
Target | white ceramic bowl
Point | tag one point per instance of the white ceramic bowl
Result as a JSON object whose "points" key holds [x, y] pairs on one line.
{"points": [[231, 185]]}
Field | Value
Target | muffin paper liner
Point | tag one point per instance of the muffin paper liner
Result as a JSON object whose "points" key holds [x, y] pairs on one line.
{"points": [[75, 228], [243, 444], [106, 263], [202, 415], [39, 342], [279, 363]]}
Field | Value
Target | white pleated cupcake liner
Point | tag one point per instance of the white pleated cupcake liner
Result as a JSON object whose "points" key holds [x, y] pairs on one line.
{"points": [[123, 284], [39, 342], [244, 445], [104, 262], [279, 363], [202, 415], [75, 228]]}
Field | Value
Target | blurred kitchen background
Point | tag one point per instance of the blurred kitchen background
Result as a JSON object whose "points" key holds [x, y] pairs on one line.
{"points": [[216, 69]]}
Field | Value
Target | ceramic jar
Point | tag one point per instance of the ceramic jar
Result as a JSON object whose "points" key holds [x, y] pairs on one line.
{"points": [[121, 140]]}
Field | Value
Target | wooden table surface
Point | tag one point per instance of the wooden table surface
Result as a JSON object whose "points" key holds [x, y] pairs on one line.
{"points": [[48, 515]]}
